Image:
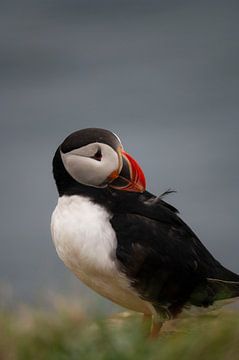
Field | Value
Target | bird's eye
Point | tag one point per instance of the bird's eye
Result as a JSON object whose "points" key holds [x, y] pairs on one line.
{"points": [[98, 155]]}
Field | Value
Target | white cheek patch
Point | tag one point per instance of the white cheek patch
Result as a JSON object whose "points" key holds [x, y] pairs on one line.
{"points": [[88, 171], [86, 151]]}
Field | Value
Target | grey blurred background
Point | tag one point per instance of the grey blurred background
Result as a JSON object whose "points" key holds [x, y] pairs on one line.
{"points": [[163, 75]]}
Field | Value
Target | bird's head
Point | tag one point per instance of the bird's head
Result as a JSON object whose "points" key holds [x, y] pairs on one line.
{"points": [[96, 158]]}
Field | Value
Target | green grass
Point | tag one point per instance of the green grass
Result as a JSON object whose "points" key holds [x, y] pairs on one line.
{"points": [[67, 334]]}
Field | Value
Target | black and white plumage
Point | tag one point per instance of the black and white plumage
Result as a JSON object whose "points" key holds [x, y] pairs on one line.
{"points": [[125, 243]]}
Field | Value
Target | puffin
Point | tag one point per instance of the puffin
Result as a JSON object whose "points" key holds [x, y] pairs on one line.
{"points": [[129, 245]]}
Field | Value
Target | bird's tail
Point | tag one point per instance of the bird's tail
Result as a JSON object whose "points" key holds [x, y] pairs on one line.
{"points": [[222, 284], [223, 289]]}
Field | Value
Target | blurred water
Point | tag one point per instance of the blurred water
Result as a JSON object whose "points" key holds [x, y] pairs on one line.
{"points": [[161, 74]]}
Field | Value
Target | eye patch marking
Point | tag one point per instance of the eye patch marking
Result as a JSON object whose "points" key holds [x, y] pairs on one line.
{"points": [[97, 156]]}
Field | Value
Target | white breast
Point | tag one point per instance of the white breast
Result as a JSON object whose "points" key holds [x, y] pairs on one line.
{"points": [[86, 243]]}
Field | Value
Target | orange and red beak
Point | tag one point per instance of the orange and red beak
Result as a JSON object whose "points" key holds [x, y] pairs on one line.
{"points": [[131, 177]]}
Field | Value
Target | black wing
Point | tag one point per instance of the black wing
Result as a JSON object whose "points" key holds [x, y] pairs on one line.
{"points": [[166, 262]]}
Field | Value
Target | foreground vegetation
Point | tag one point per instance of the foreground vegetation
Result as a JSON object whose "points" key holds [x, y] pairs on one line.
{"points": [[65, 333]]}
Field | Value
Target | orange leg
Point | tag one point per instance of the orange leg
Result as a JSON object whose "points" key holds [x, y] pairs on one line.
{"points": [[151, 326], [155, 329]]}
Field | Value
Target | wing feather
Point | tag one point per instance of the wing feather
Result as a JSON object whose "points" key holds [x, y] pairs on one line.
{"points": [[166, 262]]}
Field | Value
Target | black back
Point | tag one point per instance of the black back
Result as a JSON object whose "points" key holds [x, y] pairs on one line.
{"points": [[166, 262]]}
